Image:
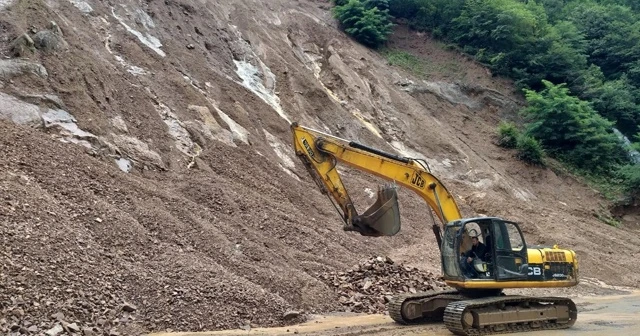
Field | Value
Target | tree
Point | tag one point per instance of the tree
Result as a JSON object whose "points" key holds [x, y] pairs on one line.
{"points": [[508, 31], [554, 9], [613, 35], [571, 130], [404, 8], [436, 15], [616, 101], [566, 56], [630, 177], [370, 27], [382, 5]]}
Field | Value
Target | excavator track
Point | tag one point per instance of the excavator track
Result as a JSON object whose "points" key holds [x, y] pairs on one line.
{"points": [[509, 314], [397, 305]]}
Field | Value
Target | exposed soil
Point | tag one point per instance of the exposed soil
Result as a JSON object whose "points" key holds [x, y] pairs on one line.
{"points": [[210, 222]]}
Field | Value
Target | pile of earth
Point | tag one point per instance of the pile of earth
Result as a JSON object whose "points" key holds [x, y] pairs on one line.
{"points": [[367, 287]]}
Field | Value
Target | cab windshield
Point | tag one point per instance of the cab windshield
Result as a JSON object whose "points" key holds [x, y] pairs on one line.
{"points": [[450, 253]]}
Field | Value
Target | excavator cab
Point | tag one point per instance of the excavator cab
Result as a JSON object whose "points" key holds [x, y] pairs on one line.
{"points": [[501, 255]]}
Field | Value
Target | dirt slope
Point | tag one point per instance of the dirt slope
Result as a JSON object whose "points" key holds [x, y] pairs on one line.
{"points": [[147, 180]]}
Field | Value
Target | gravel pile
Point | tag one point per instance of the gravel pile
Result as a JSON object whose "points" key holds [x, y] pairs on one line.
{"points": [[367, 287]]}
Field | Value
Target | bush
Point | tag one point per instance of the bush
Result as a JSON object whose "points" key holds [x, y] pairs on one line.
{"points": [[508, 135], [370, 27], [630, 174], [530, 150]]}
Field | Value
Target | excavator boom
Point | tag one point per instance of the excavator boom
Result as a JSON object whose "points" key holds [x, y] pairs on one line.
{"points": [[320, 153]]}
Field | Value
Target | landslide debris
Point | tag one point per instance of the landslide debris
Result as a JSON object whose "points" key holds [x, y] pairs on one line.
{"points": [[367, 287]]}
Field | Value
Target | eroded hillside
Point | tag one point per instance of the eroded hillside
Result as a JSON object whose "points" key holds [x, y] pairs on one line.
{"points": [[148, 181]]}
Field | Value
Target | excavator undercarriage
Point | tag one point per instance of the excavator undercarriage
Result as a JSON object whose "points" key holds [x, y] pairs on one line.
{"points": [[464, 315]]}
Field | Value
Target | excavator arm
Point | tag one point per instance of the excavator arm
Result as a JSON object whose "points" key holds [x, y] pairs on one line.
{"points": [[321, 152]]}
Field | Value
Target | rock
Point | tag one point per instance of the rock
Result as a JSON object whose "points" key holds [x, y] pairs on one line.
{"points": [[33, 329], [367, 284], [58, 316], [47, 41], [118, 123], [10, 68], [73, 327], [291, 314], [46, 99], [50, 40], [55, 330], [66, 124], [22, 46], [137, 150], [124, 164], [129, 308], [367, 287], [57, 116], [88, 332], [190, 46], [82, 6]]}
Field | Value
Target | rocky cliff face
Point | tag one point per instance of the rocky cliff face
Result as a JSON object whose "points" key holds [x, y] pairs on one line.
{"points": [[147, 180]]}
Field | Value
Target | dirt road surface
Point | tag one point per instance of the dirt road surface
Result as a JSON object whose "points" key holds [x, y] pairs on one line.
{"points": [[604, 315]]}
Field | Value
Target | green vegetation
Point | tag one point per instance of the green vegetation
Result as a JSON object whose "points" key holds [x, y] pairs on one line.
{"points": [[530, 150], [607, 219], [572, 130], [367, 21], [406, 61], [577, 61], [420, 67], [630, 174], [508, 134]]}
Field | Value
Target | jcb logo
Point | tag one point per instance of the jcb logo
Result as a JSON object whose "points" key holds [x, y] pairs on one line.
{"points": [[308, 148], [535, 271], [417, 180]]}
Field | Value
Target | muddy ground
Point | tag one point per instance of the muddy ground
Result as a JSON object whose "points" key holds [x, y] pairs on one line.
{"points": [[147, 180], [598, 316]]}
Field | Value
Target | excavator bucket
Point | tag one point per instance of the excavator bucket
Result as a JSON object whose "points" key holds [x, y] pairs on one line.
{"points": [[383, 217]]}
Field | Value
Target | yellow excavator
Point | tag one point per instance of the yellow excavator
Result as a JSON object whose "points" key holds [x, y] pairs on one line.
{"points": [[479, 256]]}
